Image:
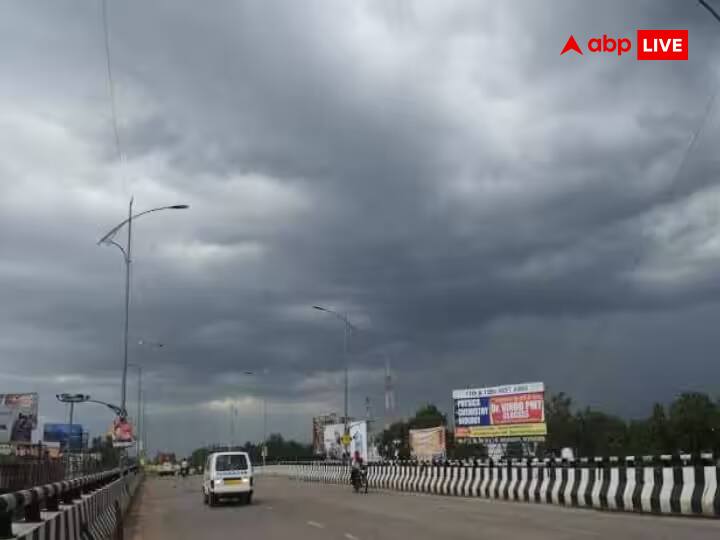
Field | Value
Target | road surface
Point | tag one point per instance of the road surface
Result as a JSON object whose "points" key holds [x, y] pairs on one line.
{"points": [[172, 508]]}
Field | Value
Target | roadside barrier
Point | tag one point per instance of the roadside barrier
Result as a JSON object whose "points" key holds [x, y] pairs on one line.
{"points": [[85, 508], [677, 485]]}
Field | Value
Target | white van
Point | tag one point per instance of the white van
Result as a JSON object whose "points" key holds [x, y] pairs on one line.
{"points": [[227, 474]]}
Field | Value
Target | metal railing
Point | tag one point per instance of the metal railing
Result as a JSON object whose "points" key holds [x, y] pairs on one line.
{"points": [[27, 504]]}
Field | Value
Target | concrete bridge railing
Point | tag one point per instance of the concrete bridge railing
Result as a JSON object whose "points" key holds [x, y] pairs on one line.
{"points": [[89, 507], [677, 485]]}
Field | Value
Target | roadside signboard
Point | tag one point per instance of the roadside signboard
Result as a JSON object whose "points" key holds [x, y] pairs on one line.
{"points": [[65, 434], [334, 441], [319, 423], [122, 433], [501, 413], [428, 444], [18, 417]]}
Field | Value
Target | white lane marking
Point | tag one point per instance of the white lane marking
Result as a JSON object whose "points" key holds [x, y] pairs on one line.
{"points": [[316, 524], [351, 537]]}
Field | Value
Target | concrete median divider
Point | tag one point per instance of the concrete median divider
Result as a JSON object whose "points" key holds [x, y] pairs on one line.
{"points": [[88, 508], [673, 485]]}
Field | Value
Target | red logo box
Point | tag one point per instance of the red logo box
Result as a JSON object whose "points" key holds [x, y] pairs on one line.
{"points": [[662, 44]]}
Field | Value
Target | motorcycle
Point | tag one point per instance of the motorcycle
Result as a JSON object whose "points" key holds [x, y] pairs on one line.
{"points": [[359, 479]]}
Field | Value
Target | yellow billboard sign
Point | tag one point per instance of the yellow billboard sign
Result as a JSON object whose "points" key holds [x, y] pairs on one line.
{"points": [[508, 430]]}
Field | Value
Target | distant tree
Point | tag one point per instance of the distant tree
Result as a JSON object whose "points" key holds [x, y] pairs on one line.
{"points": [[660, 438], [561, 423], [601, 434], [427, 416], [394, 441], [278, 449], [695, 423], [198, 457]]}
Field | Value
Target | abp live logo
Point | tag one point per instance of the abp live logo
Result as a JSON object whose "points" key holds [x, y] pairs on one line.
{"points": [[650, 45]]}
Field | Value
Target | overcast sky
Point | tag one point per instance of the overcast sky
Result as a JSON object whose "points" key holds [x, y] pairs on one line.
{"points": [[483, 209]]}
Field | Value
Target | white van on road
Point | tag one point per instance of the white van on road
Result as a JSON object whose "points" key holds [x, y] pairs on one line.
{"points": [[227, 474]]}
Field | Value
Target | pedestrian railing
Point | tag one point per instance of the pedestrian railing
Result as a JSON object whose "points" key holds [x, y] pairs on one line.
{"points": [[27, 505]]}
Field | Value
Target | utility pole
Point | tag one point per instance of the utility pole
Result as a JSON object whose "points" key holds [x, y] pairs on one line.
{"points": [[109, 239], [348, 327], [389, 395]]}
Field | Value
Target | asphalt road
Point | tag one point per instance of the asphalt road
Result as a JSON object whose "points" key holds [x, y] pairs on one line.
{"points": [[170, 508]]}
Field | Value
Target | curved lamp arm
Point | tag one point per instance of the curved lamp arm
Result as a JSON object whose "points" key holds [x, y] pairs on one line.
{"points": [[108, 238]]}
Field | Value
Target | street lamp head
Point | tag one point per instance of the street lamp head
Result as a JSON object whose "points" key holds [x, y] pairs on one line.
{"points": [[319, 308], [72, 398], [154, 344], [179, 207]]}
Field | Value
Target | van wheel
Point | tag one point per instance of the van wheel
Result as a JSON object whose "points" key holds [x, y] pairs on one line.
{"points": [[248, 498], [212, 499], [205, 498]]}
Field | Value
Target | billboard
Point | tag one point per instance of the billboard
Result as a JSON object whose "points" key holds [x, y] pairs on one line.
{"points": [[18, 417], [65, 434], [122, 433], [319, 423], [333, 433], [514, 411], [428, 444]]}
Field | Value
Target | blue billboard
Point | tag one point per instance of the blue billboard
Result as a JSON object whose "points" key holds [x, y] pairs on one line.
{"points": [[65, 434]]}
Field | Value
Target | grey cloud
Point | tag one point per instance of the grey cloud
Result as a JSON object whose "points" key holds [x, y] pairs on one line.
{"points": [[484, 208]]}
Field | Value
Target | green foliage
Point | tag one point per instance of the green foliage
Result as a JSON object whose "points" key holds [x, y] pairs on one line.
{"points": [[278, 449], [394, 441], [427, 416], [695, 422], [693, 425]]}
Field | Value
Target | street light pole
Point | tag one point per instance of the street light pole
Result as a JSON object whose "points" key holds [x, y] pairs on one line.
{"points": [[139, 420], [264, 405], [109, 238], [128, 261], [345, 360], [348, 328]]}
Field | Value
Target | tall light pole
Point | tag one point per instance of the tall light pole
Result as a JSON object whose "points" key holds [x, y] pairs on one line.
{"points": [[140, 421], [348, 328], [109, 239], [264, 402]]}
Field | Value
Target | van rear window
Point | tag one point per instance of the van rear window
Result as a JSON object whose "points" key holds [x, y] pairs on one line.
{"points": [[236, 462]]}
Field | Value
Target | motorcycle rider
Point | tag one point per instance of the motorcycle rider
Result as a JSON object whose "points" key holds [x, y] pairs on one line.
{"points": [[184, 467], [357, 465]]}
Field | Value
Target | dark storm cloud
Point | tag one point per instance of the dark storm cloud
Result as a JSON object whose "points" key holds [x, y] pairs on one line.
{"points": [[485, 210]]}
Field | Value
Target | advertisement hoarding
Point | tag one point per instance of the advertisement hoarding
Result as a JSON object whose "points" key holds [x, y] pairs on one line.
{"points": [[18, 417], [318, 434], [332, 440], [65, 434], [514, 411], [428, 444], [122, 433]]}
